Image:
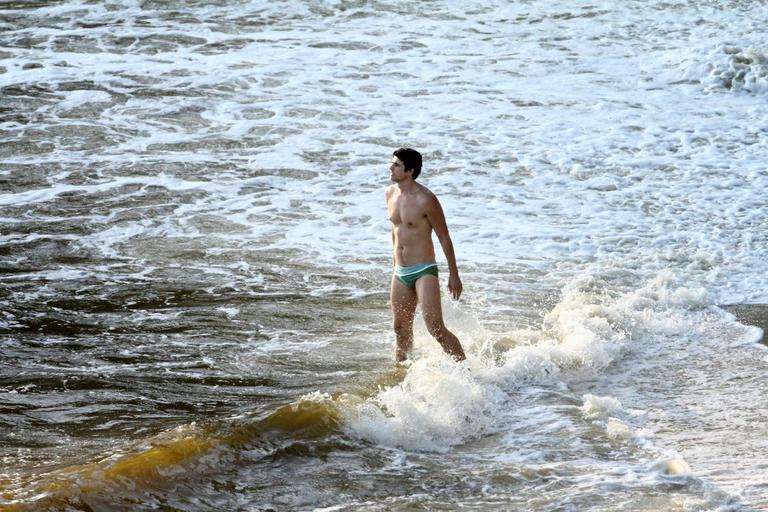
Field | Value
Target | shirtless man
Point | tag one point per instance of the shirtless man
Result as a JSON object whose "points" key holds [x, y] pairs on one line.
{"points": [[415, 212]]}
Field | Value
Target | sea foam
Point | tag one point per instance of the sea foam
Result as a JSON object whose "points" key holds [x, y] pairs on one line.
{"points": [[739, 69], [441, 403]]}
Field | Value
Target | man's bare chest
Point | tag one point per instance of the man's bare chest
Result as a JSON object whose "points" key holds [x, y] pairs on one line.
{"points": [[408, 212]]}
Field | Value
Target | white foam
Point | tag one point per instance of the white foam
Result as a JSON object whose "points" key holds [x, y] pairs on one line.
{"points": [[438, 405], [231, 312], [618, 430], [76, 99], [600, 407], [671, 466], [637, 181], [739, 69], [441, 403]]}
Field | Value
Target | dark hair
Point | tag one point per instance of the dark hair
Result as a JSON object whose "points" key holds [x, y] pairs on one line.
{"points": [[411, 160]]}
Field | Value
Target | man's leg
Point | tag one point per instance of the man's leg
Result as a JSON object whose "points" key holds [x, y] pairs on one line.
{"points": [[428, 291], [404, 302]]}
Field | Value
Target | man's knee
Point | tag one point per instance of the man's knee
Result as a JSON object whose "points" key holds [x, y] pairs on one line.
{"points": [[402, 326], [436, 328]]}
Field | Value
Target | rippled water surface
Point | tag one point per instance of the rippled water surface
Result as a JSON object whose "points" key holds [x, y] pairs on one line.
{"points": [[195, 255]]}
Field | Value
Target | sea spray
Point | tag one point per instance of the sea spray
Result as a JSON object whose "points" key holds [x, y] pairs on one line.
{"points": [[439, 404]]}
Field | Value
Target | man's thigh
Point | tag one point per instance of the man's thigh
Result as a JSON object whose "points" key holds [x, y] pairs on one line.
{"points": [[404, 300], [428, 292]]}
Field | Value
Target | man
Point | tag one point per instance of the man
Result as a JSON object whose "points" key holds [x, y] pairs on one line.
{"points": [[415, 212]]}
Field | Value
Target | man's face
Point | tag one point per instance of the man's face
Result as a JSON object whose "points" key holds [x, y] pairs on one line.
{"points": [[397, 170]]}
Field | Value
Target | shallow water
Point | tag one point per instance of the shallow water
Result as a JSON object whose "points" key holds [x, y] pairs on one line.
{"points": [[195, 255]]}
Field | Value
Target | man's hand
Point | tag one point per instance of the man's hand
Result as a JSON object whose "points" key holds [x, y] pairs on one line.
{"points": [[454, 286]]}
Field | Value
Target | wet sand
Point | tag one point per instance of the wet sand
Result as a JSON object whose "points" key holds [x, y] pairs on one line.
{"points": [[751, 314]]}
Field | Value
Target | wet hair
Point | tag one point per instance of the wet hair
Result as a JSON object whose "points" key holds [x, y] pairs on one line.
{"points": [[411, 160]]}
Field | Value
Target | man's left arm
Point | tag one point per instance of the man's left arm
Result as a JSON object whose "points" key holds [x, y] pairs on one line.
{"points": [[437, 220]]}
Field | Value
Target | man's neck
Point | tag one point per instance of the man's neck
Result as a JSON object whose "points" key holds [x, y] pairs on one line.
{"points": [[406, 186]]}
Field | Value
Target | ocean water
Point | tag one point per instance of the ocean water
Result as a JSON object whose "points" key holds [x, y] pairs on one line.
{"points": [[195, 255]]}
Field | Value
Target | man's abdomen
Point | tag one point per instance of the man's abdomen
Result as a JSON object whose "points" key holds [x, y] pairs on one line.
{"points": [[413, 248]]}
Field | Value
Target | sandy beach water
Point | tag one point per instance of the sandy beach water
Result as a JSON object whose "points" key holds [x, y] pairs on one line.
{"points": [[195, 255], [751, 314]]}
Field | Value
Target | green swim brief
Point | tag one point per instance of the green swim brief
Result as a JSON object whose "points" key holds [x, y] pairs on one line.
{"points": [[410, 274]]}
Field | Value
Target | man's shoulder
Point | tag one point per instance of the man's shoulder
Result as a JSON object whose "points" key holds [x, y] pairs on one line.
{"points": [[425, 193]]}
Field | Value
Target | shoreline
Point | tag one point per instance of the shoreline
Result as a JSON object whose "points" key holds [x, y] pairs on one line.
{"points": [[751, 314]]}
